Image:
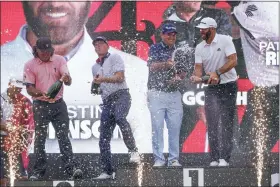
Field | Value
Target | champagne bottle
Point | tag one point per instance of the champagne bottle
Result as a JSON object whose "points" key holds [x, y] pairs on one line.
{"points": [[205, 79], [95, 88], [54, 89]]}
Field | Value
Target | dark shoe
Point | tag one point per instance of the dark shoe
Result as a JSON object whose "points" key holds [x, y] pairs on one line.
{"points": [[23, 175], [36, 177], [77, 174], [105, 176]]}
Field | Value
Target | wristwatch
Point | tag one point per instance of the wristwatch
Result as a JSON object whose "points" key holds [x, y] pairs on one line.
{"points": [[218, 73]]}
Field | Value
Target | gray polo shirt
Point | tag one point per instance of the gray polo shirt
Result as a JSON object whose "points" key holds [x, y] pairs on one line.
{"points": [[95, 69], [213, 56], [111, 65]]}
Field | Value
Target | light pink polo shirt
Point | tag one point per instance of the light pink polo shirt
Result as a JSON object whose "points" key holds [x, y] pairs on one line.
{"points": [[44, 74]]}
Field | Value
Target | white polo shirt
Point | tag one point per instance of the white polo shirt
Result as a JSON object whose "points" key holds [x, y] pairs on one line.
{"points": [[213, 56], [261, 19]]}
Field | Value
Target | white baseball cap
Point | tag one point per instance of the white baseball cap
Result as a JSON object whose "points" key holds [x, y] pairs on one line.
{"points": [[17, 82], [206, 23]]}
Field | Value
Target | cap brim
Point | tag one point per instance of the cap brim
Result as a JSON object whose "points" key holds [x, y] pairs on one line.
{"points": [[166, 32], [49, 49], [202, 26], [99, 39]]}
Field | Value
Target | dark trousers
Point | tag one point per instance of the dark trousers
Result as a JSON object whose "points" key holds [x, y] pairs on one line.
{"points": [[57, 114], [3, 159], [261, 120], [220, 104], [115, 109]]}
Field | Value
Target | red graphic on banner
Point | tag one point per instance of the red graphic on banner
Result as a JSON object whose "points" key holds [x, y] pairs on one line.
{"points": [[12, 18]]}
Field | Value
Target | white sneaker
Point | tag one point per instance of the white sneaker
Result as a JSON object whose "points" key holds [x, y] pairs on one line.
{"points": [[223, 163], [134, 157], [159, 163], [214, 163], [104, 176], [174, 163]]}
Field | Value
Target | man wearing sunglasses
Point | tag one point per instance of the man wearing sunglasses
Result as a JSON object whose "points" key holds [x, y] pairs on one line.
{"points": [[164, 99]]}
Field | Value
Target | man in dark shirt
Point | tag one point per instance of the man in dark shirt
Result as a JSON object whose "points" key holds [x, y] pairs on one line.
{"points": [[164, 99]]}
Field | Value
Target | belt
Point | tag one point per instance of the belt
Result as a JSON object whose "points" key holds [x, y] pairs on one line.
{"points": [[47, 102], [221, 85], [114, 96]]}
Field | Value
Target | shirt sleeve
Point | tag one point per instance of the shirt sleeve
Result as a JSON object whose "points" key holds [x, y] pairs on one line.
{"points": [[95, 69], [118, 64], [152, 55], [28, 74], [63, 68], [229, 47], [198, 58]]}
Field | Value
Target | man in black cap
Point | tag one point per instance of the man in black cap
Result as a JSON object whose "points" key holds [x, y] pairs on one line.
{"points": [[40, 73]]}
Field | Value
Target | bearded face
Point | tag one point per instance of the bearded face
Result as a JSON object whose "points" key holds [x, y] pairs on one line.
{"points": [[61, 21], [187, 6]]}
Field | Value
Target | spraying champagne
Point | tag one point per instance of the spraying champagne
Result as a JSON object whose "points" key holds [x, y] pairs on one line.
{"points": [[205, 79], [55, 88]]}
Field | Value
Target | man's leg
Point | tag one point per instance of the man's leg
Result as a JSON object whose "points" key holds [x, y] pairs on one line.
{"points": [[212, 113], [60, 122], [157, 111], [107, 126], [121, 109], [273, 118], [41, 119], [3, 163], [228, 112], [173, 118]]}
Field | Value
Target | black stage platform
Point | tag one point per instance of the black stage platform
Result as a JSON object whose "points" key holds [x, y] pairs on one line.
{"points": [[195, 172]]}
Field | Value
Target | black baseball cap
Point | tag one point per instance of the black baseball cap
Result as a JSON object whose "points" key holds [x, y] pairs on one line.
{"points": [[100, 38], [44, 43]]}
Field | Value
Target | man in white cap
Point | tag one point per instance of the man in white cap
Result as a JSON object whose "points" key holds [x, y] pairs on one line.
{"points": [[17, 117], [216, 54]]}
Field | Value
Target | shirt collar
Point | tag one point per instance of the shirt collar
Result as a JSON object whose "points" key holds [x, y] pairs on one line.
{"points": [[22, 39], [215, 40], [40, 61], [101, 61], [166, 46], [74, 51], [174, 17]]}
